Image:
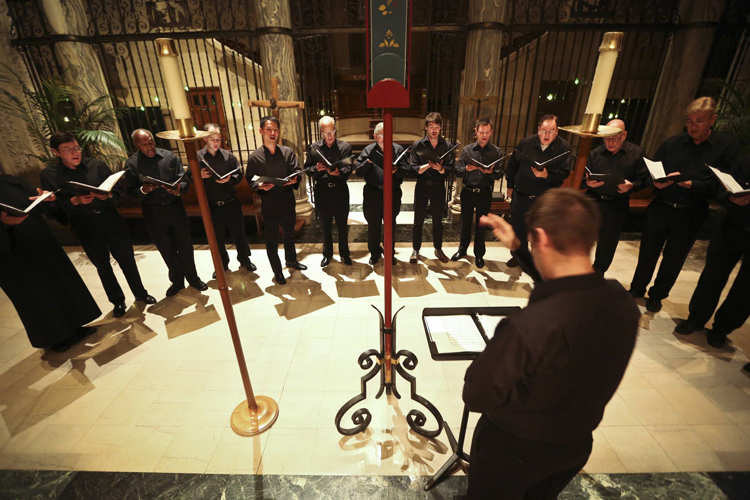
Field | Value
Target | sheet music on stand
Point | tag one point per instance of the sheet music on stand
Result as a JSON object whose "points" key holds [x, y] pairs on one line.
{"points": [[461, 333]]}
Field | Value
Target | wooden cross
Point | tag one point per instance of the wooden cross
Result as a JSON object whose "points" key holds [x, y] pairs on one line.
{"points": [[479, 97], [274, 104]]}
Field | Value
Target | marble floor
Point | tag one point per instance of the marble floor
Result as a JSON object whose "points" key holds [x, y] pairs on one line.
{"points": [[153, 391]]}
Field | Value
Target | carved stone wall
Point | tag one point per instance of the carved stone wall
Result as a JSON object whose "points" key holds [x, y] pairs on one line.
{"points": [[15, 145]]}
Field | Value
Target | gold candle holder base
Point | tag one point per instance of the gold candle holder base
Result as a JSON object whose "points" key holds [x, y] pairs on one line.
{"points": [[603, 131], [174, 135], [247, 422], [185, 127]]}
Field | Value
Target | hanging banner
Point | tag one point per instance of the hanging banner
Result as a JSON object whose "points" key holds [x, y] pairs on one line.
{"points": [[388, 51]]}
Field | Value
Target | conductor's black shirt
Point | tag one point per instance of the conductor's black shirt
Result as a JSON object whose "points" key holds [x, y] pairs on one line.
{"points": [[486, 155], [90, 171], [680, 153], [279, 164], [628, 162], [372, 170], [415, 162], [552, 367], [165, 166], [222, 162], [519, 174], [338, 151]]}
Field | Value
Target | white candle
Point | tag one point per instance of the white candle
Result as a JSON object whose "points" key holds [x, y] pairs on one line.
{"points": [[170, 70], [605, 67]]}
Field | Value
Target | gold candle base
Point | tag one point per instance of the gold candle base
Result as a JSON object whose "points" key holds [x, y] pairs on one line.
{"points": [[247, 422], [590, 123], [185, 127]]}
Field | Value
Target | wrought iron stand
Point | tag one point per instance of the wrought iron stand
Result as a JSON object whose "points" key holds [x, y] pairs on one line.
{"points": [[388, 365]]}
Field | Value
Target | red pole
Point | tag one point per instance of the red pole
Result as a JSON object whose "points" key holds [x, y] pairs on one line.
{"points": [[388, 239]]}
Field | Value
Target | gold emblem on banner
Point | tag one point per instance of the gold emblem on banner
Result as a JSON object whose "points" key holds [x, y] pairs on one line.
{"points": [[384, 8], [389, 41]]}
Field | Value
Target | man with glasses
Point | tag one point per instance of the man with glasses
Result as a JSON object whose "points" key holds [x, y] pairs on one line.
{"points": [[677, 214], [94, 219], [226, 209], [163, 211], [620, 160], [278, 203], [331, 190], [527, 183], [430, 187], [477, 190]]}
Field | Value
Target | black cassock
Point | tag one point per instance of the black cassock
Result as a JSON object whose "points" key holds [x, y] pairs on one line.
{"points": [[35, 272]]}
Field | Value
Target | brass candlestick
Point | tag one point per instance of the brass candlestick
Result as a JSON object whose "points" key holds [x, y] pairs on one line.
{"points": [[255, 414]]}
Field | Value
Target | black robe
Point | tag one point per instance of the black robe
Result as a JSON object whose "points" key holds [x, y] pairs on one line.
{"points": [[35, 272]]}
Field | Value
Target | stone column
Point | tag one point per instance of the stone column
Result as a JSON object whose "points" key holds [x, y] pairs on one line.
{"points": [[483, 46], [68, 21], [277, 59], [15, 146], [683, 67]]}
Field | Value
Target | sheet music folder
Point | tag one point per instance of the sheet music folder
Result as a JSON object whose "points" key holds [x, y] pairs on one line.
{"points": [[461, 333]]}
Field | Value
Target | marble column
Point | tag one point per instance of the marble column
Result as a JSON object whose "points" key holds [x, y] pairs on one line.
{"points": [[15, 144], [683, 68], [68, 22], [277, 59], [482, 71]]}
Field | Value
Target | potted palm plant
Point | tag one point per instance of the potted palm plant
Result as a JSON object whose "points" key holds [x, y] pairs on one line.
{"points": [[50, 109]]}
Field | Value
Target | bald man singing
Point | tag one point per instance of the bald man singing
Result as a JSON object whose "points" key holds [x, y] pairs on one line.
{"points": [[626, 172]]}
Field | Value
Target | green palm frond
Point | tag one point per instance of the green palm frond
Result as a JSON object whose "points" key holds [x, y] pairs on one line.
{"points": [[733, 110], [50, 109]]}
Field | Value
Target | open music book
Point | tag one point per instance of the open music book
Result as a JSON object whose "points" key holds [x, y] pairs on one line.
{"points": [[344, 162], [656, 169], [429, 155], [18, 212], [103, 188], [541, 166], [612, 178], [275, 180], [220, 177], [482, 165], [145, 179], [395, 162], [729, 182]]}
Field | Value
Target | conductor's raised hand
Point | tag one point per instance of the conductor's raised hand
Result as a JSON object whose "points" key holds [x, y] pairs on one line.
{"points": [[10, 220], [205, 174], [40, 193], [502, 230]]}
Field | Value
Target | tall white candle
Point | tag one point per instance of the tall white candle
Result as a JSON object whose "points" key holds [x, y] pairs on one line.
{"points": [[170, 70], [605, 67]]}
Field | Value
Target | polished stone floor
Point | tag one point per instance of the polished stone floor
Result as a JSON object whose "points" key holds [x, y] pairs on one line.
{"points": [[153, 391]]}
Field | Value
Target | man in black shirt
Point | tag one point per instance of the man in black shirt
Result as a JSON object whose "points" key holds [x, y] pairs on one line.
{"points": [[277, 202], [477, 190], [226, 209], [370, 166], [94, 219], [163, 211], [527, 181], [676, 215], [623, 163], [729, 244], [331, 190], [430, 187], [547, 374]]}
